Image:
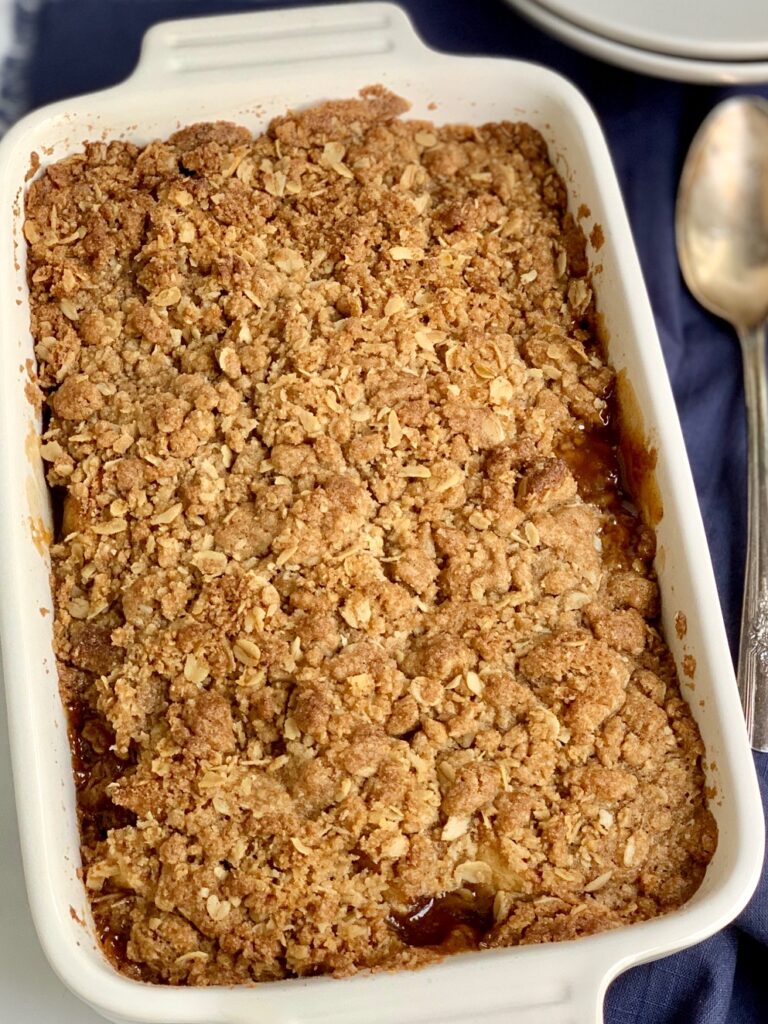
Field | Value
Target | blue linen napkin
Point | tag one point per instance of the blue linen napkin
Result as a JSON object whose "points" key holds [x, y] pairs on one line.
{"points": [[81, 45]]}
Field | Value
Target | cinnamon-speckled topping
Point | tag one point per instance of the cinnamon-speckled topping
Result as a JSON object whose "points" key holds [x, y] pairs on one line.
{"points": [[333, 608]]}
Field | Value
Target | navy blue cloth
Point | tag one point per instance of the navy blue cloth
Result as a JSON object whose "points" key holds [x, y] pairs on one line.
{"points": [[83, 45]]}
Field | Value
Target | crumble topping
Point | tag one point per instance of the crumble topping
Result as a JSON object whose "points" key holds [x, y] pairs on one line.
{"points": [[359, 634]]}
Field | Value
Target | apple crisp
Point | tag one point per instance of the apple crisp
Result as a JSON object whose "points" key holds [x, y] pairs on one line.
{"points": [[358, 631]]}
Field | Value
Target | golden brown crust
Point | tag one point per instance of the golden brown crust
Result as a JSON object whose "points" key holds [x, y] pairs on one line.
{"points": [[325, 582]]}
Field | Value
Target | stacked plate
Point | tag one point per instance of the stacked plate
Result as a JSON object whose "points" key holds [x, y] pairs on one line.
{"points": [[709, 41]]}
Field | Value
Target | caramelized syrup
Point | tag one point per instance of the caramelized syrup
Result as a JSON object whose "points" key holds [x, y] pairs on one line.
{"points": [[595, 458], [94, 766], [431, 922], [114, 944], [93, 771]]}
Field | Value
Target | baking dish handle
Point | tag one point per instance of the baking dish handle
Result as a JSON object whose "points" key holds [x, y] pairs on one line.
{"points": [[530, 991], [291, 39]]}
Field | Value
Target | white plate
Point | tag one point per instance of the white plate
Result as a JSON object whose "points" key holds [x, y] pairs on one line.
{"points": [[647, 62], [708, 29]]}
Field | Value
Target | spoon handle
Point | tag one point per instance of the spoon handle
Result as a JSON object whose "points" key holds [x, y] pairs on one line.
{"points": [[753, 647]]}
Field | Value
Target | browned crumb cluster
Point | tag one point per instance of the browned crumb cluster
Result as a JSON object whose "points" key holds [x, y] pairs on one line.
{"points": [[349, 613]]}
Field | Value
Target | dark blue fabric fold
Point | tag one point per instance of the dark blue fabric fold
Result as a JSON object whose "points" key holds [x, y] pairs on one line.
{"points": [[80, 45]]}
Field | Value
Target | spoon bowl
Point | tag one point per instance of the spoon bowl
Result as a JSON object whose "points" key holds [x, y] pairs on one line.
{"points": [[722, 212], [722, 242]]}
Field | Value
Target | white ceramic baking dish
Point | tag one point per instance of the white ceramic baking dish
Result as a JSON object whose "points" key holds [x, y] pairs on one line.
{"points": [[248, 68]]}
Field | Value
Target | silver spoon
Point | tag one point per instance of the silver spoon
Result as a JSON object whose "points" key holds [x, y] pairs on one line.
{"points": [[722, 244]]}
